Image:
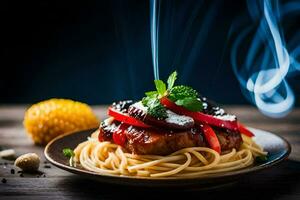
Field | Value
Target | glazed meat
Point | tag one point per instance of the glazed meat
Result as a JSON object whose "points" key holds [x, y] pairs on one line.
{"points": [[229, 140], [141, 141], [163, 142]]}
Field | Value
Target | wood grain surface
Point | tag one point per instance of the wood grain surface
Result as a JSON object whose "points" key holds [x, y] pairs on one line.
{"points": [[279, 182]]}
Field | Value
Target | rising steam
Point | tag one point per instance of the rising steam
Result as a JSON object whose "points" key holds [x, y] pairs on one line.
{"points": [[154, 27], [268, 60]]}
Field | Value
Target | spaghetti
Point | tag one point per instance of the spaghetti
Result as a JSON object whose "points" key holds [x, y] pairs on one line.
{"points": [[111, 159]]}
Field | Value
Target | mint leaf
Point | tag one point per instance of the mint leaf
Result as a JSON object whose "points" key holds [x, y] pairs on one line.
{"points": [[149, 96], [145, 101], [160, 87], [151, 93], [190, 103], [171, 80], [68, 152]]}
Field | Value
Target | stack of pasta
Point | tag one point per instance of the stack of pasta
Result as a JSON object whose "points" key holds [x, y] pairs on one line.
{"points": [[108, 158]]}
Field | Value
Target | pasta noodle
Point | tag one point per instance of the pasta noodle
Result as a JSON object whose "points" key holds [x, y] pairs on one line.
{"points": [[109, 158]]}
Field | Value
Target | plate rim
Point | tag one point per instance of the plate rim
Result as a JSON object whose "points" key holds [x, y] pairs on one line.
{"points": [[206, 177]]}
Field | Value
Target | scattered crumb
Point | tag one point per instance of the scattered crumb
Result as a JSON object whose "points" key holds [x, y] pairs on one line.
{"points": [[12, 171], [3, 180]]}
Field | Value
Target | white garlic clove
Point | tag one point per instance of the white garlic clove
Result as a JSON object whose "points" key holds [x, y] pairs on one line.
{"points": [[7, 153], [28, 162]]}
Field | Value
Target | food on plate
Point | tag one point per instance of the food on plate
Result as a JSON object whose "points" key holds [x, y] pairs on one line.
{"points": [[45, 120], [172, 132]]}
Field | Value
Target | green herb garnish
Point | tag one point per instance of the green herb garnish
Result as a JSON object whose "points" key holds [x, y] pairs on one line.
{"points": [[157, 110], [261, 159], [181, 92], [160, 87], [182, 95], [190, 103], [154, 108], [68, 152], [186, 96], [171, 80]]}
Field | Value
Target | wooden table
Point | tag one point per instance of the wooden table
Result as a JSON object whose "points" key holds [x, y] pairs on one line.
{"points": [[279, 182]]}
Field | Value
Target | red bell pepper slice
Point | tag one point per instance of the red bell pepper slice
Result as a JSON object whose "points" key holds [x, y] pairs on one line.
{"points": [[119, 136], [200, 117], [211, 137], [122, 117], [243, 130]]}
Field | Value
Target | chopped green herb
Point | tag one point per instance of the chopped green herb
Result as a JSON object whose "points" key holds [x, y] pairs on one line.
{"points": [[261, 159], [68, 152]]}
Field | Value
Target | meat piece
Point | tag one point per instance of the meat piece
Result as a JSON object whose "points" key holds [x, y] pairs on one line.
{"points": [[229, 140], [163, 142], [142, 141], [153, 141], [107, 128], [173, 121]]}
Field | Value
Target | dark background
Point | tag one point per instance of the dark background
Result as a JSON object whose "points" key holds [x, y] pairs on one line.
{"points": [[98, 52]]}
